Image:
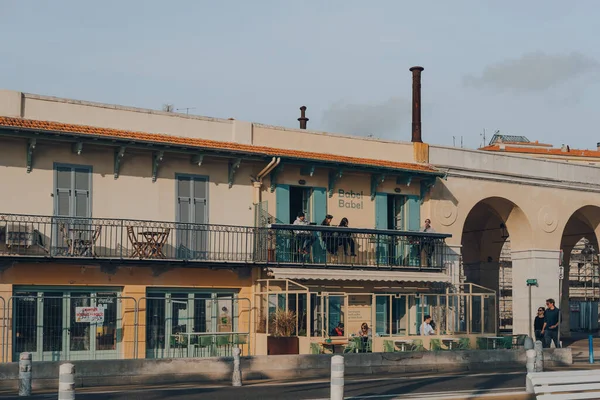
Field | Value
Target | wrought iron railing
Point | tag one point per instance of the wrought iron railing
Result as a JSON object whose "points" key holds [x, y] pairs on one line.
{"points": [[101, 238]]}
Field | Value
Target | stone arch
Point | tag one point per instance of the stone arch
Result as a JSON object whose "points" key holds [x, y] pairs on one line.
{"points": [[579, 246], [489, 225]]}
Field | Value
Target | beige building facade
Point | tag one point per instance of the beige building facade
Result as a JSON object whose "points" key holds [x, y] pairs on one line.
{"points": [[190, 215]]}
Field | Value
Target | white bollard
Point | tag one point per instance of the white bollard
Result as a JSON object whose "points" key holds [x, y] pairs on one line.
{"points": [[530, 368], [25, 374], [337, 378], [66, 382], [236, 380], [539, 356]]}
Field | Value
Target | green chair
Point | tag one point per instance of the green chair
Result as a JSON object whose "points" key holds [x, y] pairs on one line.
{"points": [[388, 346], [417, 345], [519, 341], [205, 343], [435, 344], [506, 342], [369, 347], [315, 348], [463, 344], [482, 343], [224, 341], [352, 346], [239, 341]]}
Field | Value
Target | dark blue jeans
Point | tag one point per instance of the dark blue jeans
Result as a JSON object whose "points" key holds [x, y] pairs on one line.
{"points": [[549, 336]]}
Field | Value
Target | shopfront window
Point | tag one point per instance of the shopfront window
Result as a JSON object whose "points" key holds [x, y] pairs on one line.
{"points": [[64, 324]]}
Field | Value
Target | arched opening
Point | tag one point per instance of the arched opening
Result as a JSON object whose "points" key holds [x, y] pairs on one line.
{"points": [[580, 285], [486, 250]]}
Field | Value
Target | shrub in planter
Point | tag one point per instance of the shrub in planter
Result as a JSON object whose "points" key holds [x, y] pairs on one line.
{"points": [[282, 326]]}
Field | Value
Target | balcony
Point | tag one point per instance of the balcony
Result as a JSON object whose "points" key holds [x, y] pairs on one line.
{"points": [[97, 240]]}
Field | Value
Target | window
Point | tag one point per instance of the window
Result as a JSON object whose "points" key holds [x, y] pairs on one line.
{"points": [[72, 192]]}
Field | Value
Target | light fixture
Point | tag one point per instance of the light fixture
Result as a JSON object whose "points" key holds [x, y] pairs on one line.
{"points": [[301, 182], [397, 190]]}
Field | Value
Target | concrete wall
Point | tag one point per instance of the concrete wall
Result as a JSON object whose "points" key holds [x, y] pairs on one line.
{"points": [[123, 372]]}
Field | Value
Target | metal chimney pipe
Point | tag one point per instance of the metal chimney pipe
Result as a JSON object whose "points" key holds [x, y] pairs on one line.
{"points": [[303, 120], [416, 104]]}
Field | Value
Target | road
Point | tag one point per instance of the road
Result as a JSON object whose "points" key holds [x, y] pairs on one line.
{"points": [[388, 387]]}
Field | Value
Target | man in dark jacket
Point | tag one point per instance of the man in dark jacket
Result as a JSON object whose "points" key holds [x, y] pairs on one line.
{"points": [[551, 322]]}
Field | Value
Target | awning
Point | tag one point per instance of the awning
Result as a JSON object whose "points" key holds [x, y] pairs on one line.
{"points": [[358, 275]]}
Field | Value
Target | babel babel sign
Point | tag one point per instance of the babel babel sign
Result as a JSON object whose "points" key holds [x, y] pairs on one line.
{"points": [[350, 199]]}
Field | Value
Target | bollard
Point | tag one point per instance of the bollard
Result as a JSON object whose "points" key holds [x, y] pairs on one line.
{"points": [[337, 378], [591, 344], [25, 374], [236, 380], [539, 356], [530, 368], [528, 344], [66, 382]]}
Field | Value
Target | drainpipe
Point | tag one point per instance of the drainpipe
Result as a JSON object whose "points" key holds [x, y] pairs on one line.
{"points": [[257, 183]]}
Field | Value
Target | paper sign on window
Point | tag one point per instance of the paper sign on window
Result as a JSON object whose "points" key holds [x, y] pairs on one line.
{"points": [[89, 314]]}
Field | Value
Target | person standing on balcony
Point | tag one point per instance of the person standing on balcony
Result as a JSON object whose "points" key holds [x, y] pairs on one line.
{"points": [[305, 237], [427, 227], [329, 237], [427, 244], [346, 239]]}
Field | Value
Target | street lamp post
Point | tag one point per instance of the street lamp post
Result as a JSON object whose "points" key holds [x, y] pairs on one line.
{"points": [[530, 283]]}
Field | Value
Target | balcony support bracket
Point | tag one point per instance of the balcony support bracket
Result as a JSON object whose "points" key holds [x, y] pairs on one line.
{"points": [[376, 180], [426, 186], [197, 159], [77, 148], [274, 175], [30, 148], [119, 153], [156, 160], [334, 177], [307, 170], [233, 167]]}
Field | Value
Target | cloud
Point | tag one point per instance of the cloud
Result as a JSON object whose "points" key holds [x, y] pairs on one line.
{"points": [[534, 72], [380, 120]]}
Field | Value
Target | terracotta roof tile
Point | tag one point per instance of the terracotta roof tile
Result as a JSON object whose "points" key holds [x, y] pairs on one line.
{"points": [[207, 144], [552, 151]]}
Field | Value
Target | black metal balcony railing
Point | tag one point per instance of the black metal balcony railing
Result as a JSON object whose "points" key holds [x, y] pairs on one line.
{"points": [[117, 239]]}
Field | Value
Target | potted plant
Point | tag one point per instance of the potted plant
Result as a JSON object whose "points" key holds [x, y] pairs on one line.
{"points": [[282, 326]]}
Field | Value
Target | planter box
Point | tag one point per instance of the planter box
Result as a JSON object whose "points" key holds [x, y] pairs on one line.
{"points": [[282, 345]]}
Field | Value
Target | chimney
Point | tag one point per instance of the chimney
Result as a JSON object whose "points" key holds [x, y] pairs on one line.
{"points": [[416, 105], [303, 120], [598, 146]]}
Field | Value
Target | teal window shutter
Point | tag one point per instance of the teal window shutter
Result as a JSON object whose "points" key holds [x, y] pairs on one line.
{"points": [[381, 315], [283, 240], [414, 213], [381, 222], [282, 204], [381, 211], [319, 211]]}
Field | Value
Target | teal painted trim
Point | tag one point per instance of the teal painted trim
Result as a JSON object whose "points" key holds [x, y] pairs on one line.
{"points": [[191, 290], [273, 177], [319, 211], [426, 186], [334, 177], [282, 204], [414, 212], [381, 222], [45, 288], [376, 180]]}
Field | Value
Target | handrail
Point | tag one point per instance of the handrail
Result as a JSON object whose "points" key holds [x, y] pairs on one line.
{"points": [[390, 232]]}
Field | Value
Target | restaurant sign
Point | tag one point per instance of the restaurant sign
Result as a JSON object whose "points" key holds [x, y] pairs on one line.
{"points": [[350, 199], [89, 314]]}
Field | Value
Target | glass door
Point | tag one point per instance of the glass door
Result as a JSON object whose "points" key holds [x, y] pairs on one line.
{"points": [[192, 206], [336, 307]]}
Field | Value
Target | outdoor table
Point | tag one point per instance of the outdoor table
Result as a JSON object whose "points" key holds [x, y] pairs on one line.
{"points": [[402, 344], [82, 241], [155, 241], [449, 342], [494, 340], [333, 343]]}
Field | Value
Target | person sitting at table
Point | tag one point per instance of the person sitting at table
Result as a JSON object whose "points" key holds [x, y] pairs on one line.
{"points": [[305, 237], [329, 238], [346, 239], [426, 329], [338, 330], [365, 331]]}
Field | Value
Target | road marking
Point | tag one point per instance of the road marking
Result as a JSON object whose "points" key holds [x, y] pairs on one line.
{"points": [[455, 394]]}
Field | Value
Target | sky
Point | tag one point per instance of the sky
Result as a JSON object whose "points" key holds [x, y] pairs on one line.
{"points": [[527, 68]]}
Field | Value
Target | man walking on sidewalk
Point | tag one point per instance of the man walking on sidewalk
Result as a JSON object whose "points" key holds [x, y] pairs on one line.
{"points": [[550, 328]]}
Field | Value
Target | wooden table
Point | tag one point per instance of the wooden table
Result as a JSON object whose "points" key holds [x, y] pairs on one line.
{"points": [[155, 240], [333, 343]]}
